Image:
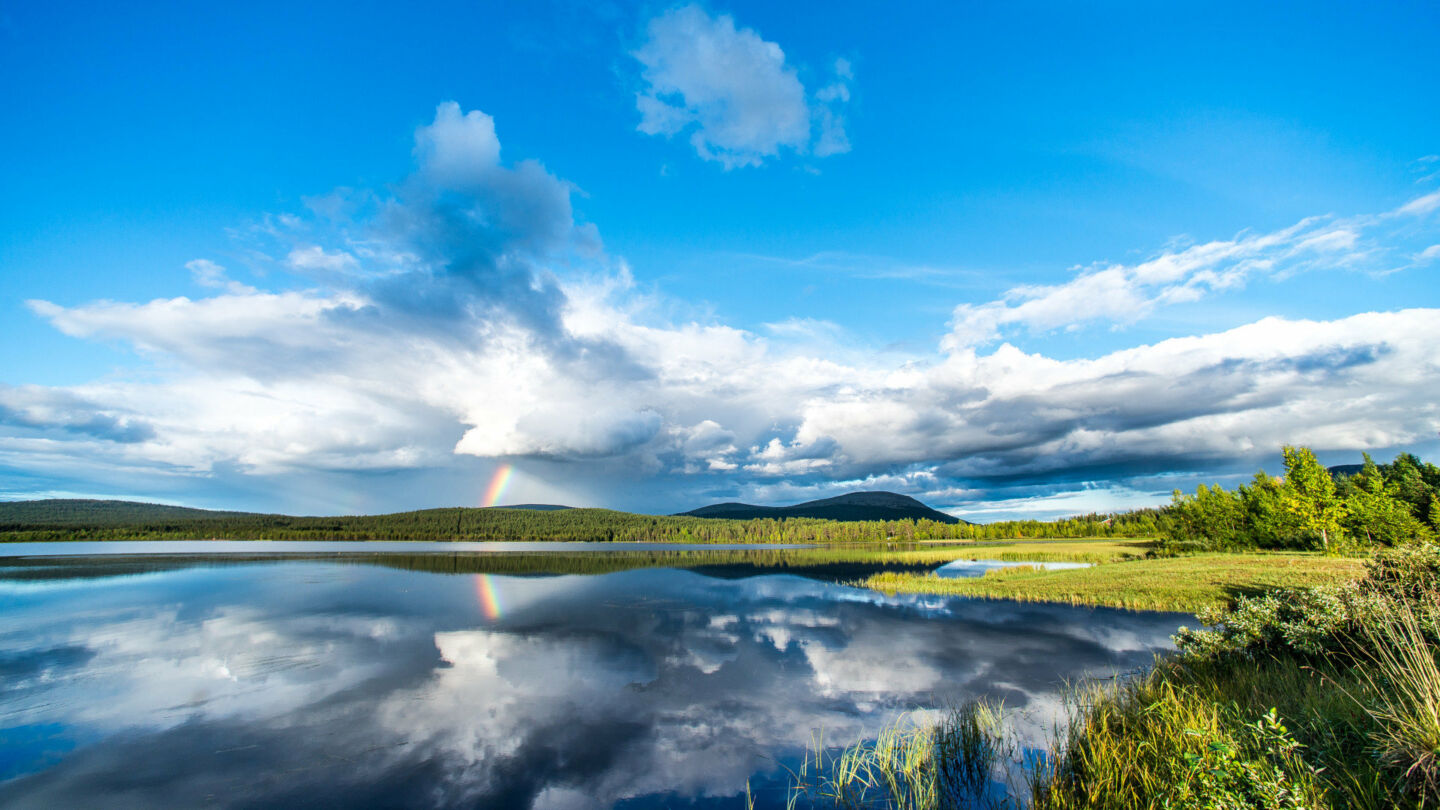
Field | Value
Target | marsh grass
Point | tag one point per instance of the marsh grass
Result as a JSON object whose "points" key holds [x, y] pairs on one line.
{"points": [[914, 764], [1404, 685], [1174, 583], [1356, 727], [1155, 742]]}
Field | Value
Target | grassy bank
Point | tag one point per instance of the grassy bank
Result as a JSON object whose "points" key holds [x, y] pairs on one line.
{"points": [[1178, 583]]}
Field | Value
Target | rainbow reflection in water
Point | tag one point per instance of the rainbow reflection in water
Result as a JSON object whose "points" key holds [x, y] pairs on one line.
{"points": [[489, 595]]}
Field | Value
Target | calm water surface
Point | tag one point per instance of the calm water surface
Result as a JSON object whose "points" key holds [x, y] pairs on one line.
{"points": [[338, 684], [92, 548]]}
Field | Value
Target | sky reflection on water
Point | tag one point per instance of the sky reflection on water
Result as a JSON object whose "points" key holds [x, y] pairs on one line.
{"points": [[351, 685]]}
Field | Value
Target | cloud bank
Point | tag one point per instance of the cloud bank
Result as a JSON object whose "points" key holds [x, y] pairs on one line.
{"points": [[469, 317]]}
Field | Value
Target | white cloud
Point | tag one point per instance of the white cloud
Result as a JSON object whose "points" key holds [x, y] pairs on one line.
{"points": [[1122, 294], [1421, 206], [209, 274], [736, 90], [830, 100], [314, 258], [458, 149]]}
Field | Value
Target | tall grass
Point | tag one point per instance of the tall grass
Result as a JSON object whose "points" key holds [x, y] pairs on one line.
{"points": [[956, 763], [1404, 681], [1156, 743]]}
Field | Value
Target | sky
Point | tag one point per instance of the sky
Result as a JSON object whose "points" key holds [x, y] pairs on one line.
{"points": [[1015, 260]]}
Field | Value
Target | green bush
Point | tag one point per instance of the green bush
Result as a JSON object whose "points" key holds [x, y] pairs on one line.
{"points": [[1244, 770], [1308, 621]]}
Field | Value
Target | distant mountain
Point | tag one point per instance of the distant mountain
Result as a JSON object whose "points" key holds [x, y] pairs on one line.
{"points": [[852, 506], [1344, 469], [75, 512], [534, 507]]}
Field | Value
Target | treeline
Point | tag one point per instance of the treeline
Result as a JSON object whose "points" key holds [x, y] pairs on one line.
{"points": [[1381, 505], [569, 524]]}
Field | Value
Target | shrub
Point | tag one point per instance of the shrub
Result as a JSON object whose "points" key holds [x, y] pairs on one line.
{"points": [[1309, 621], [1244, 771], [1324, 619]]}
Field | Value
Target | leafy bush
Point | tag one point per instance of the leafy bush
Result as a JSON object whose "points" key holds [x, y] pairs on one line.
{"points": [[1244, 771], [1309, 621]]}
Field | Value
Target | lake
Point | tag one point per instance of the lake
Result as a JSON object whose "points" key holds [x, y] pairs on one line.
{"points": [[236, 681]]}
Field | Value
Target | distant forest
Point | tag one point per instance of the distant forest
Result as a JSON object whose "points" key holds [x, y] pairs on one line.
{"points": [[93, 520]]}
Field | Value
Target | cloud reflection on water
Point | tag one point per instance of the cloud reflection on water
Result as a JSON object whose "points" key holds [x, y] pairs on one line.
{"points": [[356, 686]]}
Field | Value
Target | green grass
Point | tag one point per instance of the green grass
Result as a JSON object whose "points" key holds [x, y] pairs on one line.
{"points": [[1178, 583], [1091, 550], [1404, 677]]}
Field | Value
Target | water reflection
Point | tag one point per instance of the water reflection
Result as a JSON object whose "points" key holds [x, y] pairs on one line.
{"points": [[346, 685], [965, 569]]}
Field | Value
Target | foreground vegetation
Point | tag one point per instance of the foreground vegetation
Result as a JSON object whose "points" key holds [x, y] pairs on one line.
{"points": [[1318, 697]]}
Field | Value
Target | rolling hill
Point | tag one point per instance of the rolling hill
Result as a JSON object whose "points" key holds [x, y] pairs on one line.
{"points": [[82, 512], [849, 507]]}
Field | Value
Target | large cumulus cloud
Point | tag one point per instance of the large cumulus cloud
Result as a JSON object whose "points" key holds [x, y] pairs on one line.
{"points": [[468, 316]]}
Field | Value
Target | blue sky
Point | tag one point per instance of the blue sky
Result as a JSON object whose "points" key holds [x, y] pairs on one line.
{"points": [[1012, 259]]}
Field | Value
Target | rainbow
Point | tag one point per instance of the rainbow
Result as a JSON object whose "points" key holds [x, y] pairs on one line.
{"points": [[489, 596], [498, 482]]}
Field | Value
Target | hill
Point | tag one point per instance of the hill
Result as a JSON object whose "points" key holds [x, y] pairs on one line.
{"points": [[534, 507], [852, 506], [83, 512]]}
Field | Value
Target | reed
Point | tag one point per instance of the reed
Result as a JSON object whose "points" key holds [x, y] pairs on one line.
{"points": [[1404, 684], [914, 764]]}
